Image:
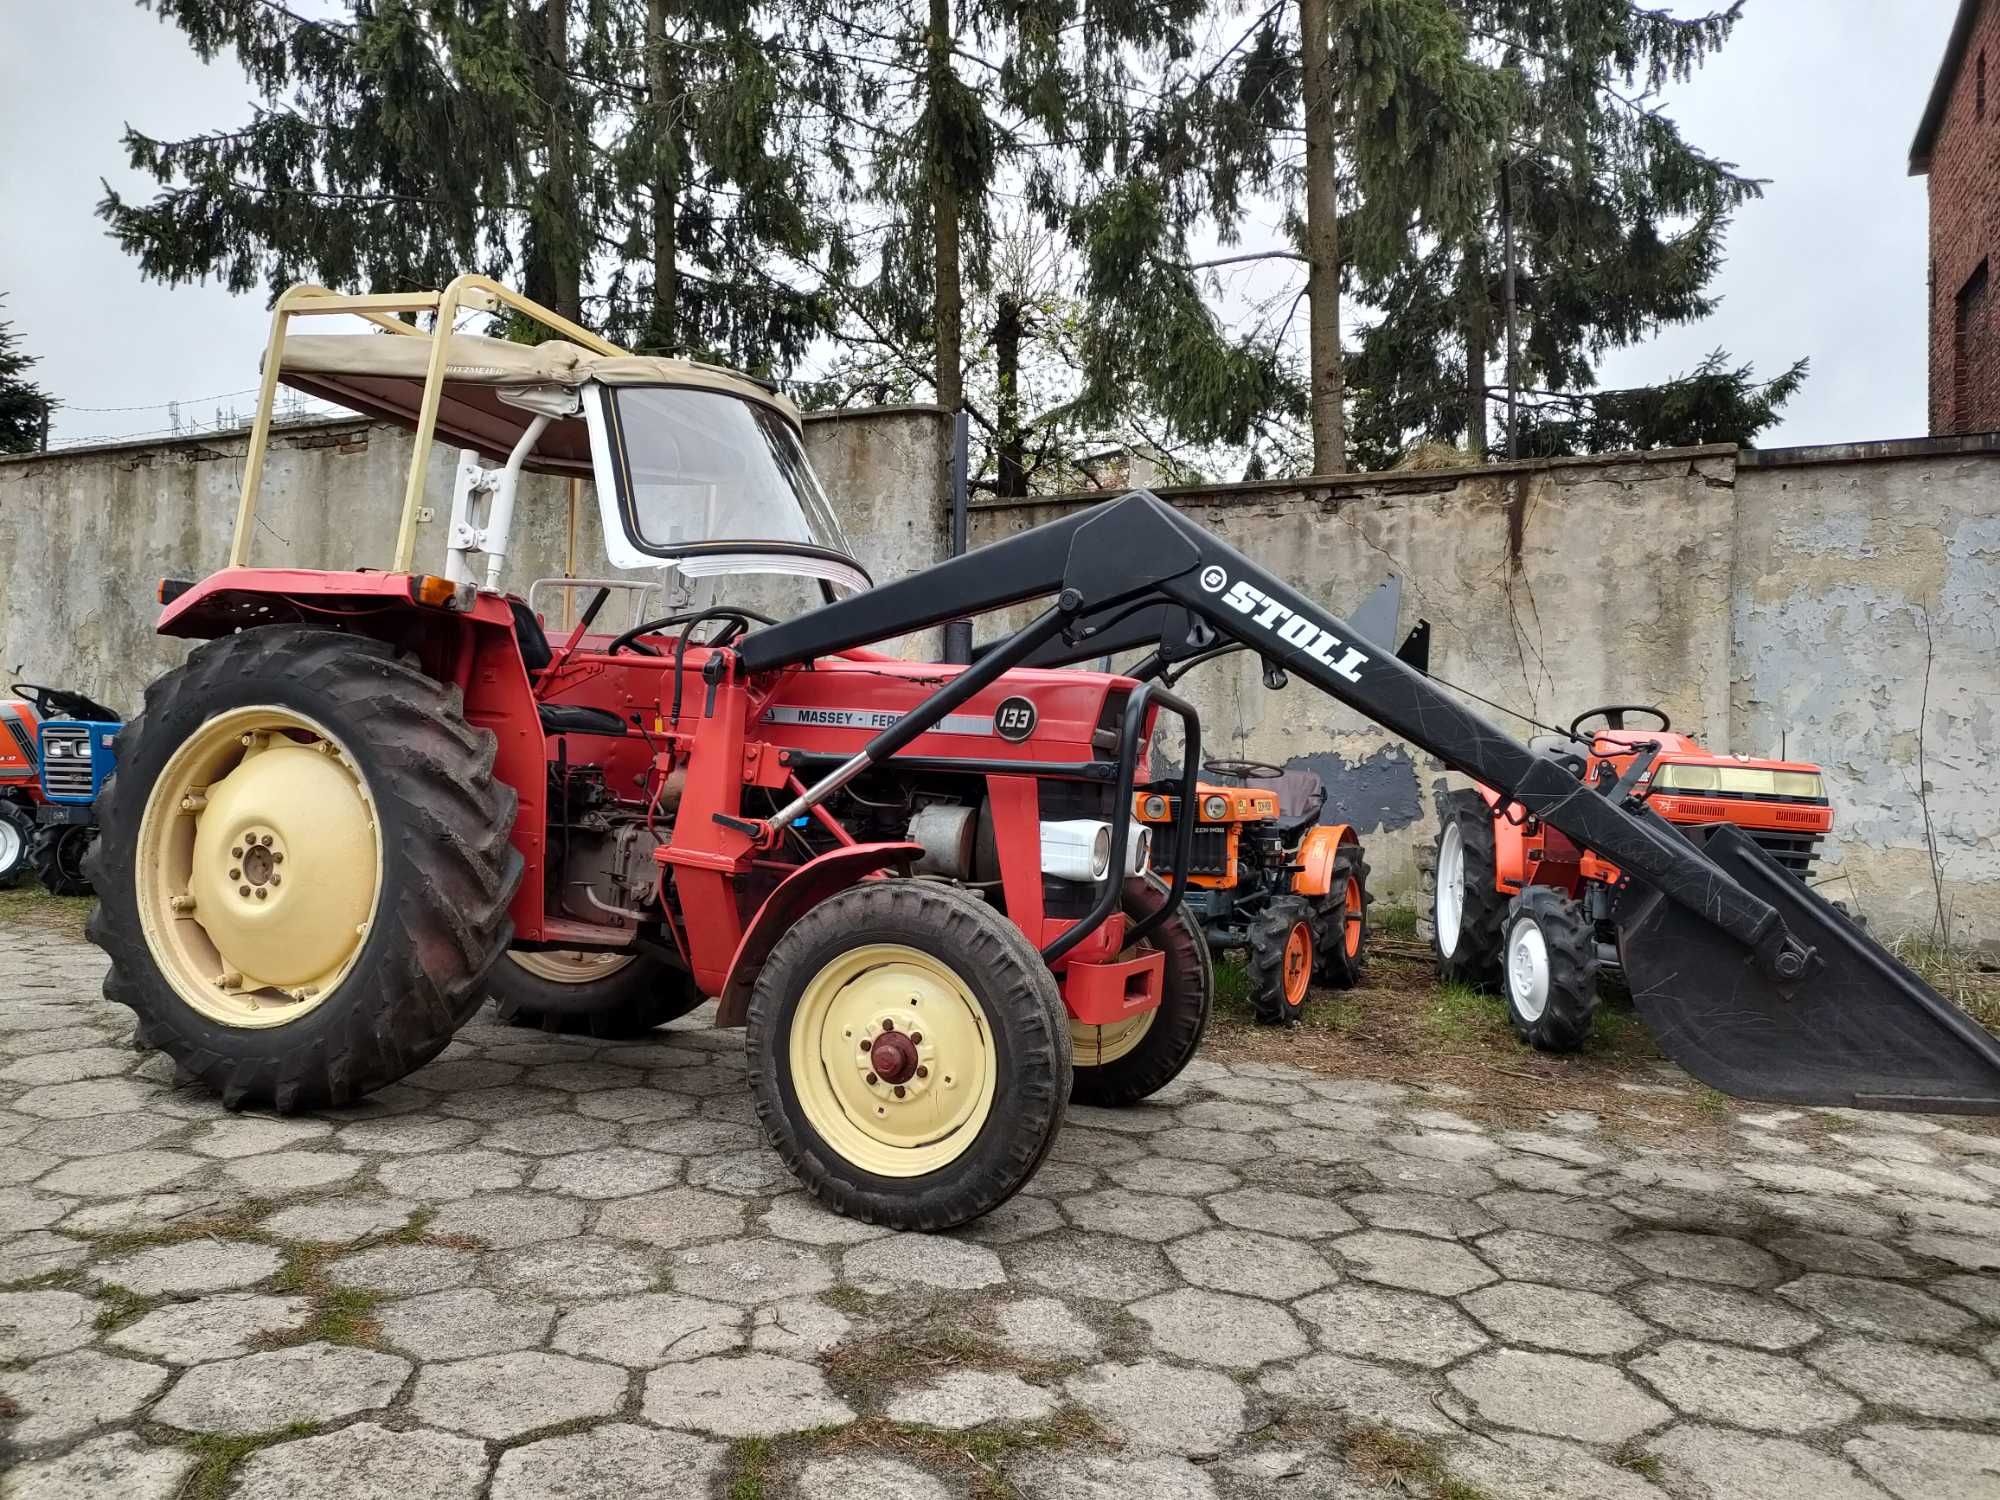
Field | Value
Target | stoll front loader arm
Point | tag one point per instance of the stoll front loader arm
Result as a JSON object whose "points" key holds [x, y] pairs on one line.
{"points": [[1751, 981]]}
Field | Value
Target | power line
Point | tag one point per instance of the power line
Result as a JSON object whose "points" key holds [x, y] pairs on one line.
{"points": [[249, 390]]}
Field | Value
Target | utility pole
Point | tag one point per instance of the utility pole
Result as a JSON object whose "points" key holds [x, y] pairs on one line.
{"points": [[1508, 297]]}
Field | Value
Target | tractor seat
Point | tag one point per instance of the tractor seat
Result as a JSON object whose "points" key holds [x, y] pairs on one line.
{"points": [[1301, 795], [579, 718]]}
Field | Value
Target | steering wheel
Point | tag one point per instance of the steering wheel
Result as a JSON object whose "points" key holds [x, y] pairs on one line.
{"points": [[1244, 770], [735, 622], [58, 703], [1614, 718]]}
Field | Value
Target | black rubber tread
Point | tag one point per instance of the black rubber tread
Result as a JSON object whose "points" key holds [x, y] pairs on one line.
{"points": [[1029, 1026], [1332, 964], [1571, 939], [58, 866], [449, 867], [22, 821], [1270, 930], [646, 993], [1187, 998], [1477, 961]]}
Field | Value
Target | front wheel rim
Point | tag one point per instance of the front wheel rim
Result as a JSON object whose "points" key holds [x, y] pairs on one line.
{"points": [[1528, 970], [893, 1060], [259, 867], [11, 845], [572, 965], [1450, 903], [1351, 919], [1094, 1046], [1298, 963]]}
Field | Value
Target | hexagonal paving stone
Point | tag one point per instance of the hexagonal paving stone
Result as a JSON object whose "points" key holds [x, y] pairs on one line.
{"points": [[1522, 1255], [1217, 1147], [1099, 1266], [99, 1135], [1865, 1305], [1163, 1174], [1908, 1377], [1700, 1257], [961, 1399], [1547, 1317], [248, 1135], [1923, 1463], [98, 1096], [1070, 1475], [504, 1395], [620, 1172], [795, 1216], [1412, 1262], [1256, 1265], [1964, 1250], [743, 1174], [406, 1135], [1980, 1293], [640, 1106], [404, 1270], [878, 1478], [339, 1221], [34, 1324], [1044, 1328], [502, 1221], [117, 1466], [906, 1260], [798, 1329], [1374, 1322], [554, 1134], [218, 1327], [1214, 1328], [1414, 1174], [618, 1458], [462, 1075], [260, 1392], [1138, 1216], [1723, 1315], [1716, 1461], [443, 1175], [365, 1462], [1519, 1464], [67, 1395], [192, 1266], [696, 1137], [670, 1219], [1096, 1148], [38, 1253], [575, 1270], [1762, 1391], [1840, 1254], [749, 1271], [1420, 1213], [1162, 1408], [1361, 1391], [1553, 1213], [1275, 1212], [1556, 1396], [651, 1329], [463, 1324], [750, 1395], [121, 1174]]}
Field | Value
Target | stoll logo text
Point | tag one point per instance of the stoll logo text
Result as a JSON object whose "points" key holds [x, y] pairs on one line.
{"points": [[1293, 629]]}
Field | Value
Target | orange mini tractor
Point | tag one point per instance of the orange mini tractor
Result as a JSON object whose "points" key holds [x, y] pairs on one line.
{"points": [[1265, 875], [918, 887], [1523, 909]]}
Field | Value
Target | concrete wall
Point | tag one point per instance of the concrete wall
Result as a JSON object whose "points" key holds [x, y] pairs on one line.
{"points": [[1768, 601]]}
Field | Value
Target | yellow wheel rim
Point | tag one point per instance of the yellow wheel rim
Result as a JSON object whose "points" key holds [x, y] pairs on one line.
{"points": [[259, 867], [1094, 1046], [571, 965], [893, 1060]]}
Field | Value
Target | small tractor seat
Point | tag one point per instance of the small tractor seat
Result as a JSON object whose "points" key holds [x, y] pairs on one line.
{"points": [[557, 718], [1301, 795]]}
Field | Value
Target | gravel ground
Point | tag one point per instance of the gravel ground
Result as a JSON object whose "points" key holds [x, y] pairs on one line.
{"points": [[546, 1268]]}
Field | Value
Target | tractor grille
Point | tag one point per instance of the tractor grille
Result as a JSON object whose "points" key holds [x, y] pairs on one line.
{"points": [[1208, 852], [1794, 851], [68, 775]]}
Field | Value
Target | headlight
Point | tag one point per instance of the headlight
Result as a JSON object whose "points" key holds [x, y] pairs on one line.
{"points": [[1076, 849], [1215, 809], [58, 749], [1744, 781], [1139, 849], [1154, 808]]}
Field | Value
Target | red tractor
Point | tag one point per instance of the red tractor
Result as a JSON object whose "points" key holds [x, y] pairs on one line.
{"points": [[1522, 909], [918, 887]]}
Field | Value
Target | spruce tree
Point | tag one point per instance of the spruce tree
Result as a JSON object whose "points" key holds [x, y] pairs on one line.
{"points": [[24, 406]]}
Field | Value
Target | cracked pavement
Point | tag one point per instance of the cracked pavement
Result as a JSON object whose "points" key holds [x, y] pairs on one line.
{"points": [[549, 1267]]}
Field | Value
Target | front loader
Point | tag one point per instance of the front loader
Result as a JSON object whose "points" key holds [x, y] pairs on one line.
{"points": [[919, 888]]}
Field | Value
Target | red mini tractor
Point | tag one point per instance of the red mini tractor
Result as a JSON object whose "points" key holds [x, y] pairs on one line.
{"points": [[1522, 909], [918, 887]]}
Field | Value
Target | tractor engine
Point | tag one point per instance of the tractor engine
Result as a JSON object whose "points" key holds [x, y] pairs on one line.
{"points": [[601, 847]]}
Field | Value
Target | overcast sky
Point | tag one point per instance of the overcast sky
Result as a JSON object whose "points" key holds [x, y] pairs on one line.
{"points": [[1820, 96]]}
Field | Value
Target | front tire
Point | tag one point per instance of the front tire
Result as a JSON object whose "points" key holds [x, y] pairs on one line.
{"points": [[1282, 944], [1551, 969], [304, 867], [1127, 1061], [1467, 907], [60, 851], [909, 1054], [17, 836], [1341, 935], [611, 996]]}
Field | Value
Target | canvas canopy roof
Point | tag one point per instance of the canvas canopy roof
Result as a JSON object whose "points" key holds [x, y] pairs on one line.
{"points": [[383, 376]]}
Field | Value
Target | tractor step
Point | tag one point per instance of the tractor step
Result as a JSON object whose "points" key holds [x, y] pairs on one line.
{"points": [[1858, 1030]]}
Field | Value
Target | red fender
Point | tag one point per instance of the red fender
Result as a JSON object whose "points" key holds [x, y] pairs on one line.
{"points": [[1316, 852], [800, 891]]}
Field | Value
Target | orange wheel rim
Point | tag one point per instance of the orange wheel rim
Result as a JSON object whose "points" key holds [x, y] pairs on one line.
{"points": [[1298, 963], [1351, 922]]}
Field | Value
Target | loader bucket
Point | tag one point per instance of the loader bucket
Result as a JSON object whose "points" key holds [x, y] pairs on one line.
{"points": [[1859, 1029]]}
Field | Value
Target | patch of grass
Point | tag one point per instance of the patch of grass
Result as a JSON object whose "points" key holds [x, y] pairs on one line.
{"points": [[343, 1315], [238, 1223], [750, 1463], [978, 1456], [847, 1299], [48, 1281], [30, 906], [1459, 1013], [122, 1305], [304, 1272], [1393, 921], [1645, 1465], [1969, 980], [905, 1356], [217, 1456], [1405, 1462], [1232, 985]]}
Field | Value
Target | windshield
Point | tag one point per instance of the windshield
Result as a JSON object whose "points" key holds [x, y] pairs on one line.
{"points": [[722, 484]]}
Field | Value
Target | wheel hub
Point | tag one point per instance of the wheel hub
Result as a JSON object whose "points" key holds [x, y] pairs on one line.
{"points": [[893, 1056], [1528, 970], [1450, 888]]}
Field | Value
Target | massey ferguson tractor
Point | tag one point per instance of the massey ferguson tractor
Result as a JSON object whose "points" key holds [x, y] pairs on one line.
{"points": [[918, 888], [56, 751], [1523, 909], [1271, 879]]}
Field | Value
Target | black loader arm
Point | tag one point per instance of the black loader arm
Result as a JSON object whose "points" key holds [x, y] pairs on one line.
{"points": [[1138, 562]]}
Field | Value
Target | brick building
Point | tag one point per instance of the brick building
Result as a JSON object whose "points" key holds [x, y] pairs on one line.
{"points": [[1958, 148]]}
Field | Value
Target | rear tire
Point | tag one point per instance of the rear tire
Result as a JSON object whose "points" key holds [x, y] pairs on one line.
{"points": [[1551, 967], [613, 1004], [1341, 932], [59, 853], [397, 819], [1115, 1068], [1468, 909], [17, 837], [1282, 944], [867, 1133]]}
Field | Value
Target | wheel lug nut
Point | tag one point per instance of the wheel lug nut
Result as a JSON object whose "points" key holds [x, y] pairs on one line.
{"points": [[864, 1044], [916, 1036], [277, 880], [922, 1071], [265, 840], [263, 894], [900, 1091], [889, 1024], [872, 1079], [243, 890], [277, 859], [235, 874], [236, 853]]}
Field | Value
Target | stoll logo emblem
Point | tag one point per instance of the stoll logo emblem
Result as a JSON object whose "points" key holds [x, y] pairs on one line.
{"points": [[1214, 580], [1295, 630]]}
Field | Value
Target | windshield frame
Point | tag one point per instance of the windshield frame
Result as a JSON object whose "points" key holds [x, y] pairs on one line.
{"points": [[620, 465]]}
